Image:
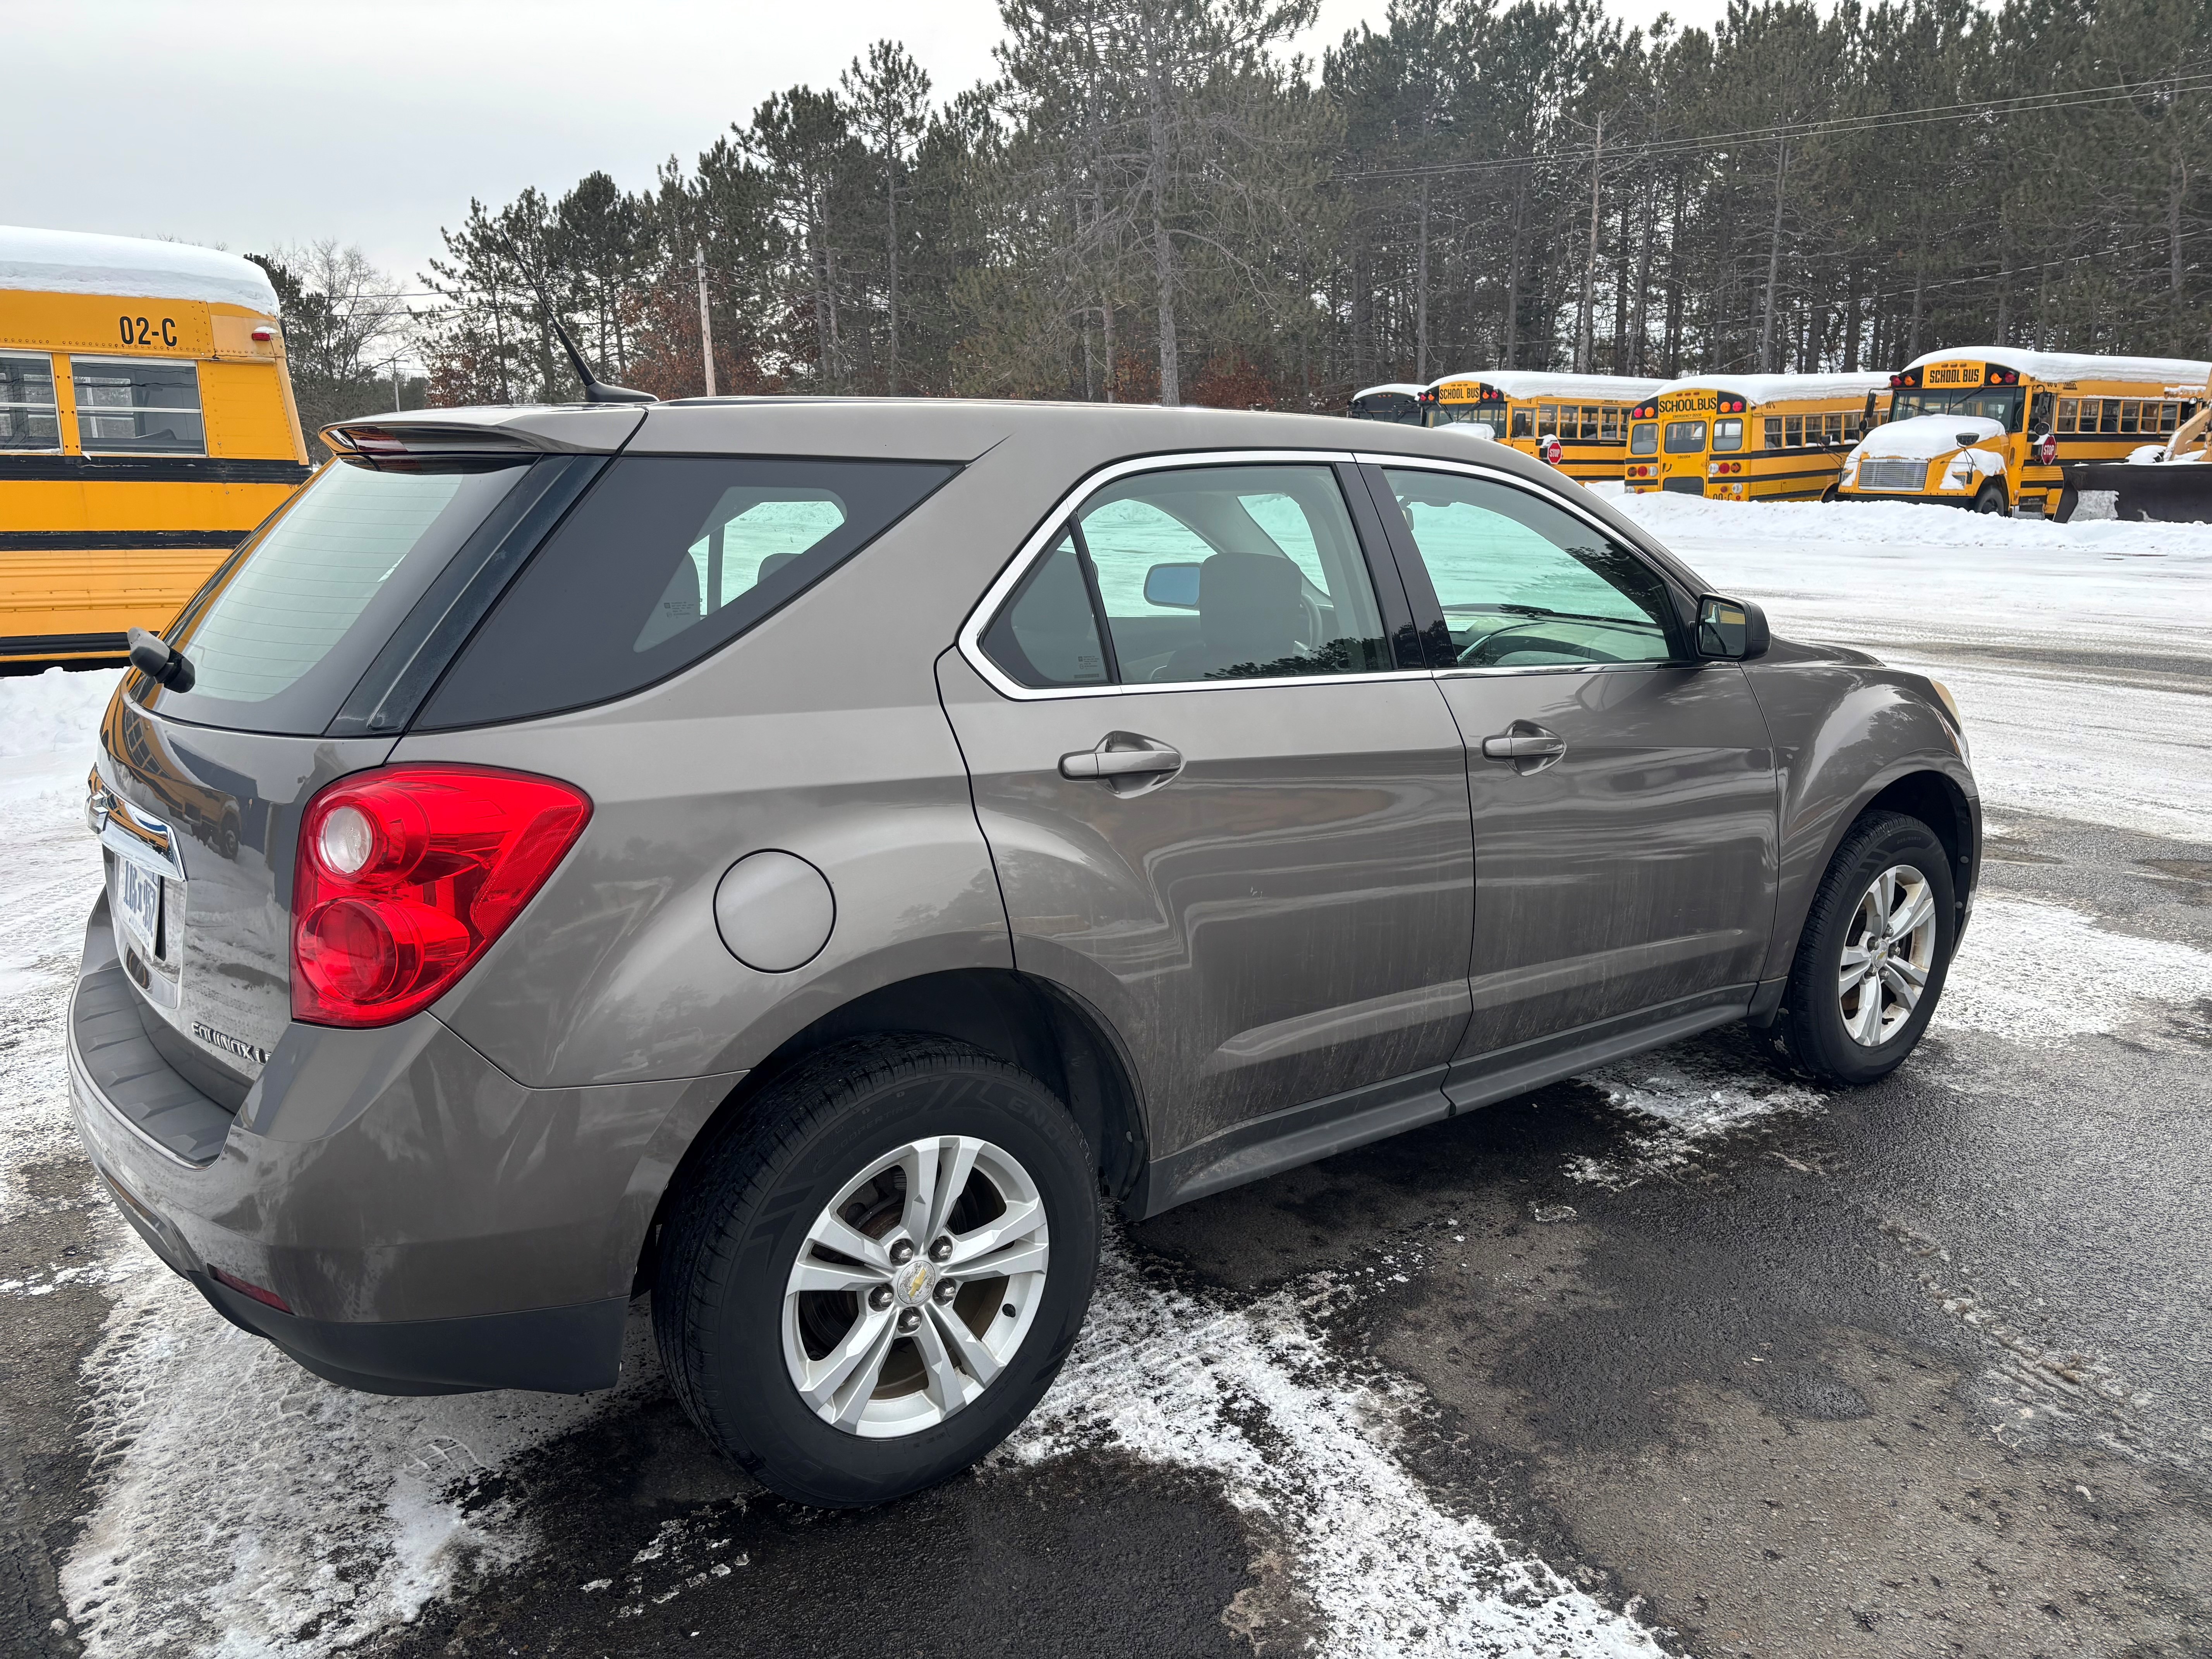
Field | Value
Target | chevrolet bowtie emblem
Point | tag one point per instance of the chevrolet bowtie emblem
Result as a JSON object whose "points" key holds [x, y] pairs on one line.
{"points": [[914, 1285]]}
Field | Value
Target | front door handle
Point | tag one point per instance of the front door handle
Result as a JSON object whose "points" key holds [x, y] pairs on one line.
{"points": [[1124, 756], [1527, 745]]}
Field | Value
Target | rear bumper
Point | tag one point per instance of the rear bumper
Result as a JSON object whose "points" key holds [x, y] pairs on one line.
{"points": [[428, 1223]]}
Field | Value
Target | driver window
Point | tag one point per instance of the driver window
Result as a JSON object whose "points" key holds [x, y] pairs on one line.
{"points": [[1526, 584], [1232, 573]]}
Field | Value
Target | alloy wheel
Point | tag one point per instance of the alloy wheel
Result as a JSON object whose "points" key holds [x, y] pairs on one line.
{"points": [[915, 1287], [1889, 949]]}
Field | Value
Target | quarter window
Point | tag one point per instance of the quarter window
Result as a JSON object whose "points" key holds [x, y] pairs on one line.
{"points": [[138, 405], [28, 415], [1524, 583]]}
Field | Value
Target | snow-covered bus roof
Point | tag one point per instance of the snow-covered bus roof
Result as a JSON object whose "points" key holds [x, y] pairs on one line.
{"points": [[1779, 388], [2076, 364], [1401, 387], [78, 262], [1521, 383]]}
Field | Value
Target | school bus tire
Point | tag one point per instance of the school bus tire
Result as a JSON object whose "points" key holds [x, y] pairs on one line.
{"points": [[1829, 493], [1991, 500]]}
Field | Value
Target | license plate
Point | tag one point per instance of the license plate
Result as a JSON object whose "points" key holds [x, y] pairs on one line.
{"points": [[139, 903]]}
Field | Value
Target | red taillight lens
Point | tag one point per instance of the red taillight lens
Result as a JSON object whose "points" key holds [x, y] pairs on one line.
{"points": [[407, 875]]}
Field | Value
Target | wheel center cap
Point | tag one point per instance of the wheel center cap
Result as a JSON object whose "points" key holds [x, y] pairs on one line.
{"points": [[912, 1283]]}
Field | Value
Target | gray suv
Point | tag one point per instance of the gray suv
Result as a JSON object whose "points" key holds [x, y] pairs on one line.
{"points": [[797, 858]]}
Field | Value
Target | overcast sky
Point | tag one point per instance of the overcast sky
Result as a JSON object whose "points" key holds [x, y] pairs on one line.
{"points": [[244, 124]]}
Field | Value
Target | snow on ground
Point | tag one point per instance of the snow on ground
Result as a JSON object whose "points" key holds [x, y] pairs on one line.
{"points": [[245, 1508], [2121, 734], [1301, 1436]]}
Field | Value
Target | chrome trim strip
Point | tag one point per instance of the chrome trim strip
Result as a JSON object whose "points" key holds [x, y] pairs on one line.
{"points": [[146, 841], [970, 637]]}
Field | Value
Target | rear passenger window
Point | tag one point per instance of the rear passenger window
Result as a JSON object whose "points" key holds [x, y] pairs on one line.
{"points": [[1195, 574], [669, 558]]}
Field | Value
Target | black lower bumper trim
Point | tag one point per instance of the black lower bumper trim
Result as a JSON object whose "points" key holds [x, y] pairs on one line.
{"points": [[572, 1350]]}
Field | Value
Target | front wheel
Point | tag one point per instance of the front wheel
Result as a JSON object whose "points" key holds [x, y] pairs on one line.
{"points": [[1874, 953], [873, 1276], [1991, 500]]}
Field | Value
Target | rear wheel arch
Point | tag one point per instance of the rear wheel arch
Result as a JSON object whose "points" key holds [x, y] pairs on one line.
{"points": [[1043, 1027]]}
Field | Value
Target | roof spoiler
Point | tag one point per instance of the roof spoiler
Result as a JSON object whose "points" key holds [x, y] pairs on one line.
{"points": [[375, 440]]}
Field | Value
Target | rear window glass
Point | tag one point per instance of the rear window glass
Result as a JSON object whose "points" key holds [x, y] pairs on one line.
{"points": [[282, 632], [668, 559]]}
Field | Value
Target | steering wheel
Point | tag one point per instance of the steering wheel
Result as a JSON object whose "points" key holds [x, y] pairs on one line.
{"points": [[1477, 652]]}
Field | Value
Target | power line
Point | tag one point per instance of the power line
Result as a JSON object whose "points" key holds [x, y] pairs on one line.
{"points": [[1933, 114]]}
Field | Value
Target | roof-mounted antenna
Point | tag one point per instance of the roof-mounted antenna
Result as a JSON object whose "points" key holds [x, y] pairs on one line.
{"points": [[596, 391]]}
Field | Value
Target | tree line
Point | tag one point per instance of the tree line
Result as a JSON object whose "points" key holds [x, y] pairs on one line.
{"points": [[1155, 200]]}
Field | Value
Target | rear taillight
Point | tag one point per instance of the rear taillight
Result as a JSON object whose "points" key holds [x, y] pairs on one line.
{"points": [[407, 875]]}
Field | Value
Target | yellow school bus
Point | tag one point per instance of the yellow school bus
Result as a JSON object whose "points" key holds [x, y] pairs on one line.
{"points": [[146, 425], [1396, 402], [1991, 429], [1751, 437], [1588, 414]]}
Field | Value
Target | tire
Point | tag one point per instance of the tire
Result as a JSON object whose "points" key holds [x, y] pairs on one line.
{"points": [[1814, 1030], [732, 1323], [1991, 500]]}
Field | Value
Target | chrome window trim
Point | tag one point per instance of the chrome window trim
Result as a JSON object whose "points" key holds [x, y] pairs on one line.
{"points": [[970, 640]]}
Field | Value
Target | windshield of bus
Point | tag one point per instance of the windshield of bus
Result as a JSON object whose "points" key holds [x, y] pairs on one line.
{"points": [[1684, 437], [1998, 403]]}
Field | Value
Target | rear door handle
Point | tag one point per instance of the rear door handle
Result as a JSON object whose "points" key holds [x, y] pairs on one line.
{"points": [[1123, 755], [1527, 745]]}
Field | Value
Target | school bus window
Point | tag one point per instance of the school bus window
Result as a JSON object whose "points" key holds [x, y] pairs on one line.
{"points": [[28, 415], [1524, 422], [1793, 431], [138, 405], [2066, 408], [1773, 424], [1643, 438], [1684, 437], [1610, 430], [2168, 416], [2108, 416], [1728, 435], [2130, 413], [1589, 423]]}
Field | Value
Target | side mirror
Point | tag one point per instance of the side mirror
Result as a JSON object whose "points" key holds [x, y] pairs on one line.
{"points": [[1731, 630], [1172, 586]]}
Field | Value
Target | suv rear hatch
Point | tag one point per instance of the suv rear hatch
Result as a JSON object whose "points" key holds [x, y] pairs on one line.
{"points": [[310, 648]]}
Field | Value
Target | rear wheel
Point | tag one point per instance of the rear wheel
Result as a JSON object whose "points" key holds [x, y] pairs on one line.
{"points": [[872, 1278], [1874, 953]]}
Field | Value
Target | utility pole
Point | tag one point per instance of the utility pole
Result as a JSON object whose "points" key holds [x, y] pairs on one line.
{"points": [[1586, 346], [706, 327], [395, 386]]}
